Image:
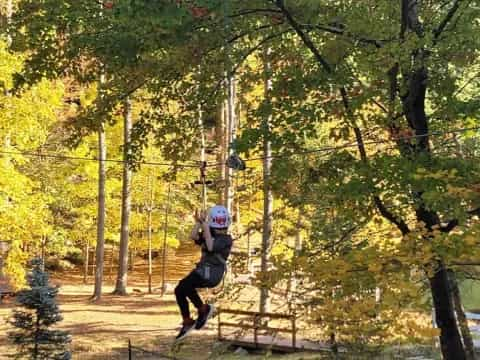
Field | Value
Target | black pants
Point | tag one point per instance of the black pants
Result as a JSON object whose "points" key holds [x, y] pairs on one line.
{"points": [[187, 288]]}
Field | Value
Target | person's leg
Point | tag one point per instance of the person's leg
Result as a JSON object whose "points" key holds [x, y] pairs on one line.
{"points": [[186, 288], [182, 291], [205, 311], [195, 282]]}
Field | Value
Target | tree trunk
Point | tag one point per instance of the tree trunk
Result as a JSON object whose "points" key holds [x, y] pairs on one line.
{"points": [[165, 233], [461, 318], [267, 192], [94, 261], [43, 244], [249, 235], [112, 256], [100, 248], [8, 15], [202, 157], [86, 260], [121, 284], [292, 301], [149, 224], [230, 137], [415, 79], [414, 108], [450, 342], [220, 140]]}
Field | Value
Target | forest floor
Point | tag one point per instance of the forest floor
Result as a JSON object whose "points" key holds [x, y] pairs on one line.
{"points": [[102, 329]]}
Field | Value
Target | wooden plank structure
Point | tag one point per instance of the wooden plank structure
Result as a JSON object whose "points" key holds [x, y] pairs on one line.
{"points": [[264, 336]]}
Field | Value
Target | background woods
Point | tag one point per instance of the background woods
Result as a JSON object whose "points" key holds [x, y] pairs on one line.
{"points": [[358, 122]]}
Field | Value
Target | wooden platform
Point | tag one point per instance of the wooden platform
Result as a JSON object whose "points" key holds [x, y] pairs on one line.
{"points": [[275, 344], [249, 329]]}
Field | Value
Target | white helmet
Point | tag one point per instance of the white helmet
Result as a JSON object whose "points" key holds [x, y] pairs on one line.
{"points": [[218, 218]]}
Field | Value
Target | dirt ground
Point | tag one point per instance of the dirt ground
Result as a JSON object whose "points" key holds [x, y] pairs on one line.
{"points": [[101, 330]]}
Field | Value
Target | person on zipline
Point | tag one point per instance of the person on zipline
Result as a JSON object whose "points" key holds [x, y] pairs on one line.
{"points": [[212, 235]]}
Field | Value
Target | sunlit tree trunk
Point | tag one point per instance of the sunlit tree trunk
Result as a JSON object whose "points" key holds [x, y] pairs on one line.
{"points": [[202, 156], [86, 261], [267, 191], [165, 234], [8, 15], [112, 257], [149, 225], [100, 248], [121, 283], [220, 134], [230, 137]]}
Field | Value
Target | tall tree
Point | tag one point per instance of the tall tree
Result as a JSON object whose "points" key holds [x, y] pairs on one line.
{"points": [[267, 187], [100, 247], [121, 283]]}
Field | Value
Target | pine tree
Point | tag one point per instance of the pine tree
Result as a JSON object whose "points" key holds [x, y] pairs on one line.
{"points": [[34, 338]]}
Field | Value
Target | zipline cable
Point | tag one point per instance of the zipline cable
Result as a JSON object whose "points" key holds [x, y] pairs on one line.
{"points": [[354, 145], [67, 157], [275, 156]]}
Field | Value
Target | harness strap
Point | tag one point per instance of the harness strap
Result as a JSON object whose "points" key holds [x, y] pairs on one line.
{"points": [[220, 258]]}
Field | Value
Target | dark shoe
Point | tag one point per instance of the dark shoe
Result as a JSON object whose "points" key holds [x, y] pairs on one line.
{"points": [[186, 328], [203, 316]]}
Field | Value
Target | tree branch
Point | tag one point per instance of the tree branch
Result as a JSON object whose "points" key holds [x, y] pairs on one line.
{"points": [[452, 224], [257, 47], [443, 24], [255, 11], [246, 33], [466, 263], [474, 212], [305, 38], [244, 57], [339, 31], [402, 226]]}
